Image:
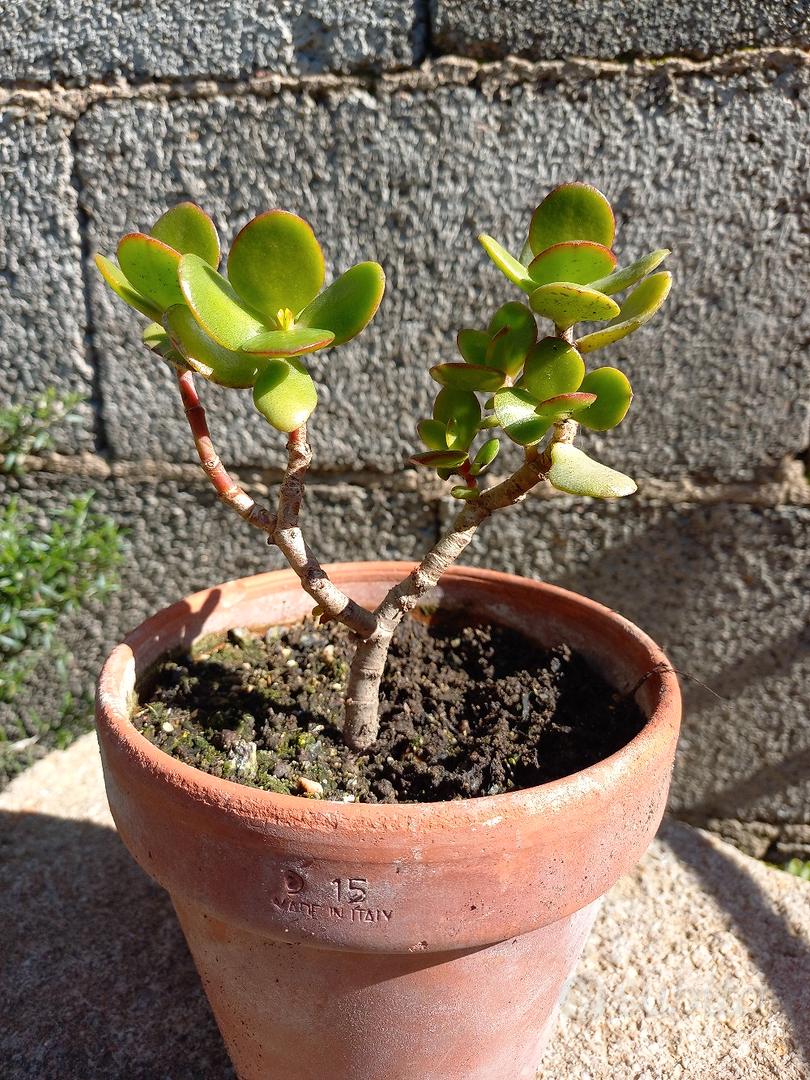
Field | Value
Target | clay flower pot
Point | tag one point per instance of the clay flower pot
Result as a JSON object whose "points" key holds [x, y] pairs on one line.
{"points": [[390, 942]]}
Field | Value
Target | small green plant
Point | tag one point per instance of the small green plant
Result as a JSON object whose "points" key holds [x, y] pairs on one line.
{"points": [[251, 329], [798, 868], [47, 569]]}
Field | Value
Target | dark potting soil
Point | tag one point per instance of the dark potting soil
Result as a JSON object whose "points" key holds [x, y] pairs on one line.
{"points": [[467, 711]]}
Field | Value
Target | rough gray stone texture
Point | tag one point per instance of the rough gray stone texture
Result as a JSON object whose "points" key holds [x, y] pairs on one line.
{"points": [[178, 539], [541, 30], [71, 41], [409, 176], [725, 590], [42, 302], [696, 966]]}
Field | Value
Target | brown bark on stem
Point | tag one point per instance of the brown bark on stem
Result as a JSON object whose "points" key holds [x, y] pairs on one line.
{"points": [[361, 722], [282, 529]]}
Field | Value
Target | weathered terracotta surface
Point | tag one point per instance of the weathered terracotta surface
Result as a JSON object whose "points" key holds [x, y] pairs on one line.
{"points": [[391, 942]]}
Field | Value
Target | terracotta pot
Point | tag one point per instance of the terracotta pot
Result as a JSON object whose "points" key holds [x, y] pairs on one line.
{"points": [[424, 941]]}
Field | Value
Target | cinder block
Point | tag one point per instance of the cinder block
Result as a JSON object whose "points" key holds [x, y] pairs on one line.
{"points": [[42, 302], [410, 176], [613, 29], [71, 41], [725, 590]]}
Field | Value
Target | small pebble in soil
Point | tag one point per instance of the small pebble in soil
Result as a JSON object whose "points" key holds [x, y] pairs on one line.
{"points": [[467, 711]]}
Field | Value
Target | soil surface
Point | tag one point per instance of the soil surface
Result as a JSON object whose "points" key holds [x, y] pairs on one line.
{"points": [[467, 711]]}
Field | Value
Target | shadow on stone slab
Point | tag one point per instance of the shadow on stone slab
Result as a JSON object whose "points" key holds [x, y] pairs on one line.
{"points": [[779, 953], [96, 981]]}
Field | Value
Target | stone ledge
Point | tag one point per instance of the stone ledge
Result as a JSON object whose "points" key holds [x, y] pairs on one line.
{"points": [[697, 965]]}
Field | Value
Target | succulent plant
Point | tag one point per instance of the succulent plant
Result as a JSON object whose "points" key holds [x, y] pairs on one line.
{"points": [[568, 271], [256, 328]]}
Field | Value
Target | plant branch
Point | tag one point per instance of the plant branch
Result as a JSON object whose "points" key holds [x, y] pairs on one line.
{"points": [[287, 536], [282, 529], [362, 693], [231, 493]]}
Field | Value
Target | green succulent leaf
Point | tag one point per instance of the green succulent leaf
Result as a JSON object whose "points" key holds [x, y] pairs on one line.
{"points": [[629, 275], [188, 229], [158, 341], [472, 344], [460, 410], [638, 308], [508, 265], [467, 494], [293, 342], [214, 304], [275, 263], [488, 423], [485, 456], [349, 304], [574, 472], [120, 285], [441, 459], [514, 332], [204, 355], [553, 367], [468, 376], [151, 268], [572, 212], [526, 253], [285, 394], [433, 434], [516, 410], [578, 261], [564, 405], [566, 303], [613, 397]]}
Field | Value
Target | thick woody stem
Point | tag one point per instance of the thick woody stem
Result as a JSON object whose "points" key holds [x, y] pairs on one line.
{"points": [[282, 529], [361, 723], [226, 487], [334, 604]]}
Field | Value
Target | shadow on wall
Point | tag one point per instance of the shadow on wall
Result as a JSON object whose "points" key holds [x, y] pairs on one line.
{"points": [[96, 982]]}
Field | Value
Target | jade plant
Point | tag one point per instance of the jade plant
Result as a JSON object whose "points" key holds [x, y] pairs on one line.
{"points": [[258, 327]]}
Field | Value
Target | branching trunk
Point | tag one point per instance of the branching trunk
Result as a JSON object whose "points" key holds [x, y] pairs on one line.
{"points": [[361, 723]]}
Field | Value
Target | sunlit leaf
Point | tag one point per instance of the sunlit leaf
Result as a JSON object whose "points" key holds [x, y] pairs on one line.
{"points": [[188, 229], [638, 308], [214, 304], [578, 261], [514, 332], [613, 397], [204, 355], [564, 405], [466, 494], [485, 456], [572, 212], [468, 376], [574, 472], [516, 412], [285, 394], [275, 263], [566, 303], [433, 434], [151, 266], [122, 288], [508, 265], [553, 367], [349, 304], [623, 279], [440, 459], [293, 342]]}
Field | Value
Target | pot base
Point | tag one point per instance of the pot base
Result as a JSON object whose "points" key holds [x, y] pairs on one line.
{"points": [[306, 1013]]}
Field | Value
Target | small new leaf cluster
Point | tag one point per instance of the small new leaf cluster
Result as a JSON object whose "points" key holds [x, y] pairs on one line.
{"points": [[568, 271], [249, 329]]}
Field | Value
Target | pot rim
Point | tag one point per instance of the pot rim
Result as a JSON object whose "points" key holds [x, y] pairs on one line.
{"points": [[113, 715]]}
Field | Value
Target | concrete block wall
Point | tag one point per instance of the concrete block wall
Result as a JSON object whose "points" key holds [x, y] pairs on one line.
{"points": [[400, 130]]}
